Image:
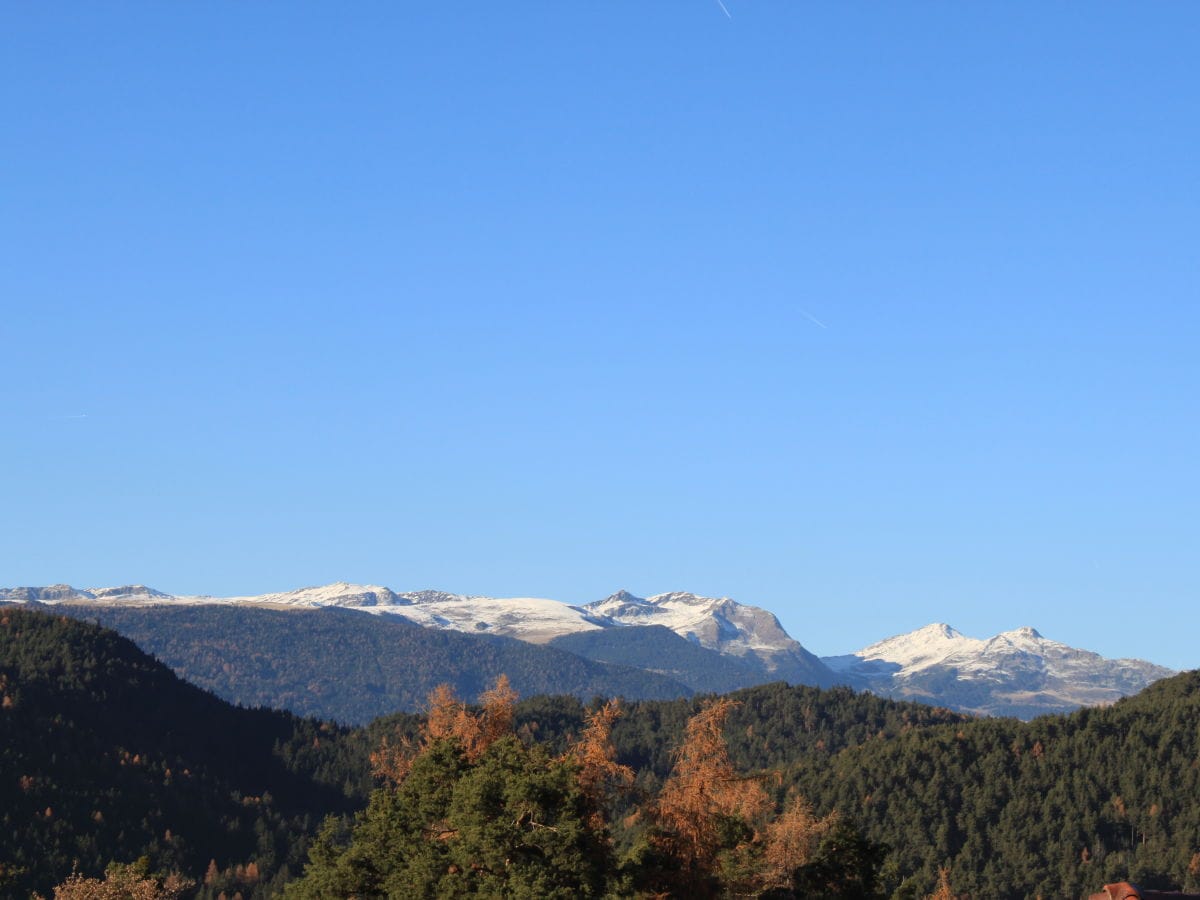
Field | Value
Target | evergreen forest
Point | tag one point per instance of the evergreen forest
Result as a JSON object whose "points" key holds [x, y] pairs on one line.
{"points": [[118, 778], [340, 664]]}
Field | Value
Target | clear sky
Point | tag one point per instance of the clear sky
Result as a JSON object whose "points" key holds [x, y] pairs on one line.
{"points": [[870, 314]]}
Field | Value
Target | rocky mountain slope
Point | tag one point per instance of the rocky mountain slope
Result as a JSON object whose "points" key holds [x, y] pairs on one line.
{"points": [[657, 649], [748, 634]]}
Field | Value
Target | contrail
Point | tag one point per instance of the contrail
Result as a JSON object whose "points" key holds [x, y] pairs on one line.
{"points": [[727, 15], [813, 319], [79, 416]]}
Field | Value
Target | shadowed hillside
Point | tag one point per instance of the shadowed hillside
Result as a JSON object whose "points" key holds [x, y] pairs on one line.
{"points": [[350, 667], [107, 755]]}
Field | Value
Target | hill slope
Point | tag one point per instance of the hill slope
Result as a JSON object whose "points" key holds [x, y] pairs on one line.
{"points": [[1054, 807], [106, 755], [721, 624], [657, 648], [339, 664]]}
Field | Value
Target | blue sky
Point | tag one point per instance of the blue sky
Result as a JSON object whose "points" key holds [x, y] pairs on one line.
{"points": [[871, 315]]}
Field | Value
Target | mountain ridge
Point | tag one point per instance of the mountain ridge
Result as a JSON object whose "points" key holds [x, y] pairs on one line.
{"points": [[716, 622], [1017, 672]]}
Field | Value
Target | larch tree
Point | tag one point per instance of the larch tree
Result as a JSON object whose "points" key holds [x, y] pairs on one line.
{"points": [[792, 841], [943, 891], [596, 758], [447, 718], [705, 803]]}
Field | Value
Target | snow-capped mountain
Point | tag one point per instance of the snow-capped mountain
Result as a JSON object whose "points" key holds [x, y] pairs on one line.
{"points": [[1016, 672], [531, 619], [64, 593], [752, 635], [719, 623]]}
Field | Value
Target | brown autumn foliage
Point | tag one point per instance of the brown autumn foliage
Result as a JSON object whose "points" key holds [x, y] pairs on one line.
{"points": [[391, 761], [496, 718], [944, 891], [704, 788], [791, 841], [594, 753], [444, 716], [449, 718]]}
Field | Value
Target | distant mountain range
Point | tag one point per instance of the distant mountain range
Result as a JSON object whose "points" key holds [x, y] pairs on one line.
{"points": [[680, 642], [1016, 673]]}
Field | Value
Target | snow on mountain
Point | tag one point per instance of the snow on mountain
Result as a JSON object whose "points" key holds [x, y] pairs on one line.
{"points": [[905, 654], [64, 593], [532, 619], [356, 596], [1017, 672], [719, 623]]}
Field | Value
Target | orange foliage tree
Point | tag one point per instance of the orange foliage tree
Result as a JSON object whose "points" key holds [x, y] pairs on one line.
{"points": [[944, 891], [593, 752], [792, 841], [447, 718], [704, 793]]}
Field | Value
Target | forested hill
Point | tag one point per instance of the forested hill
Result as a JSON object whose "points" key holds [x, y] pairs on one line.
{"points": [[343, 665], [1055, 807], [659, 649], [106, 755]]}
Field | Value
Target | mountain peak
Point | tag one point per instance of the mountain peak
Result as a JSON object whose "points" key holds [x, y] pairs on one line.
{"points": [[623, 596], [1024, 631], [933, 641], [339, 593], [718, 623], [939, 630], [1017, 672]]}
